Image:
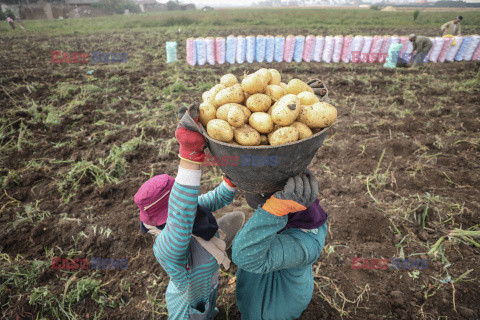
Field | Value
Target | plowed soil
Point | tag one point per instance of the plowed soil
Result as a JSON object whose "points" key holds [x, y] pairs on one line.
{"points": [[398, 170]]}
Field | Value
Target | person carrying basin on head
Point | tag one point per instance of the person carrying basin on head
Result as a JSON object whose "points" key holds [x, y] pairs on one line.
{"points": [[452, 28], [276, 249], [190, 244], [421, 48]]}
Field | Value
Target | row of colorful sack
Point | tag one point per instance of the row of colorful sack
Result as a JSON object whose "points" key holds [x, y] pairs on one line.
{"points": [[356, 49]]}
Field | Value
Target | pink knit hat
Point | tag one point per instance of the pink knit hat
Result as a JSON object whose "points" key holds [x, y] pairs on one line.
{"points": [[152, 199]]}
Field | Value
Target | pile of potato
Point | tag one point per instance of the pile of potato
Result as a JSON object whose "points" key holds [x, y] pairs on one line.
{"points": [[263, 110]]}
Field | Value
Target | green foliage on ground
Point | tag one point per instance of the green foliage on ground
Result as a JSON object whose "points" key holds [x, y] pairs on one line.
{"points": [[242, 20]]}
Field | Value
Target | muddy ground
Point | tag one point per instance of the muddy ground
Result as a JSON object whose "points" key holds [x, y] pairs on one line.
{"points": [[398, 170]]}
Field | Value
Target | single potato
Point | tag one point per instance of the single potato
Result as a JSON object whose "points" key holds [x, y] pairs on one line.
{"points": [[295, 86], [212, 93], [286, 110], [247, 113], [258, 102], [307, 98], [274, 92], [303, 130], [266, 74], [222, 111], [283, 135], [246, 136], [206, 94], [254, 83], [235, 116], [275, 128], [233, 94], [228, 80], [220, 130], [318, 115], [261, 121], [207, 112], [276, 77]]}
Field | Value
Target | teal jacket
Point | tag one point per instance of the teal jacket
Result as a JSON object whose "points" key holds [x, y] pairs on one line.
{"points": [[192, 291], [274, 277]]}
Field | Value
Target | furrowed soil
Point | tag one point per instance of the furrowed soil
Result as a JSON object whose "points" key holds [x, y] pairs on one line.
{"points": [[398, 170]]}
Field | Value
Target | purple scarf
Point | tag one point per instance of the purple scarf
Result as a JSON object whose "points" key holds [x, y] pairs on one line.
{"points": [[311, 218]]}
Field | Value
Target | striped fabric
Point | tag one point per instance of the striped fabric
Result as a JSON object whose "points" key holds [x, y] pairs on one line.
{"points": [[192, 291]]}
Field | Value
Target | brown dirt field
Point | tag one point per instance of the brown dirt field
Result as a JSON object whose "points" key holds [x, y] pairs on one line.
{"points": [[425, 123]]}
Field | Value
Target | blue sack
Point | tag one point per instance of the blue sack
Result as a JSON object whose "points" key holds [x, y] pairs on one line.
{"points": [[279, 47], [269, 48], [231, 49], [463, 47], [298, 51], [260, 48]]}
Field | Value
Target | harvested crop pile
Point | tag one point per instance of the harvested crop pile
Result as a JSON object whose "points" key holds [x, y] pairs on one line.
{"points": [[263, 110]]}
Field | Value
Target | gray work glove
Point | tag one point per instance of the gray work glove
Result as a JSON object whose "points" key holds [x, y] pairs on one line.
{"points": [[297, 195], [189, 117]]}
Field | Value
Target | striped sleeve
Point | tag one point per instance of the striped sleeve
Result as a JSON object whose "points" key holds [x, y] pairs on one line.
{"points": [[218, 198], [171, 246]]}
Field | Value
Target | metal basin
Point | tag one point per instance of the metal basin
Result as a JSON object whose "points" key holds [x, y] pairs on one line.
{"points": [[265, 169]]}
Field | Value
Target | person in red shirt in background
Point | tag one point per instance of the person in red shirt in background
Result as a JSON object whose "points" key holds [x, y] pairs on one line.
{"points": [[11, 22]]}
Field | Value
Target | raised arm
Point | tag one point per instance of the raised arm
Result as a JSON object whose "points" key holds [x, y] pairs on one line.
{"points": [[219, 197], [171, 246], [258, 248]]}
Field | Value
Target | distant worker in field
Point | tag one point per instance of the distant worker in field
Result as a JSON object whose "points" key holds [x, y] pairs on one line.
{"points": [[421, 47], [452, 28], [10, 21]]}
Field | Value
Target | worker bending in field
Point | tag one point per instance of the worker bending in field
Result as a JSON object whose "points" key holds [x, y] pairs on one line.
{"points": [[452, 28], [187, 243], [421, 47]]}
